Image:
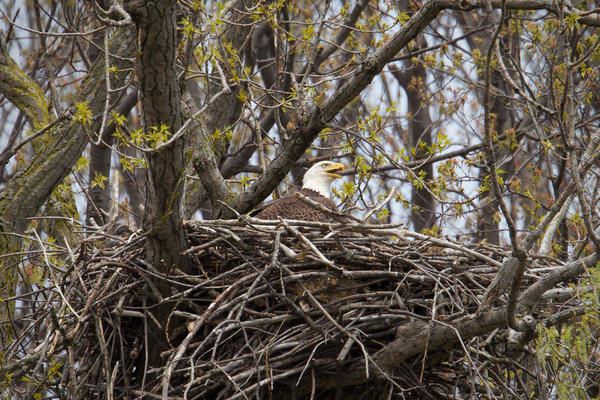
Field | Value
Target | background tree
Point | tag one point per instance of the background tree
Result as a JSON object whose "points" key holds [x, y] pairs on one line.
{"points": [[135, 115]]}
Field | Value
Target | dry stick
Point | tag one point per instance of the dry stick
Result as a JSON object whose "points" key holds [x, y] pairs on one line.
{"points": [[345, 350], [110, 387], [433, 312], [186, 342], [380, 204], [73, 384], [546, 243], [264, 382], [195, 249], [146, 355], [236, 363], [273, 264], [102, 343], [216, 343], [439, 242], [44, 354], [309, 359], [310, 245], [90, 299], [230, 379], [143, 394], [54, 277], [208, 282], [313, 384], [192, 379]]}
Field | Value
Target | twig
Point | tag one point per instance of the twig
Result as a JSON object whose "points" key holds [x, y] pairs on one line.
{"points": [[7, 154], [380, 204], [311, 246]]}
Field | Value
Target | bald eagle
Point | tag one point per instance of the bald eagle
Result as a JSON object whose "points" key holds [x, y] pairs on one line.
{"points": [[315, 185]]}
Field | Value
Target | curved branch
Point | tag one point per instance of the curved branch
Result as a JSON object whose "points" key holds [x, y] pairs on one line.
{"points": [[21, 90], [533, 293], [32, 184], [546, 244], [311, 126]]}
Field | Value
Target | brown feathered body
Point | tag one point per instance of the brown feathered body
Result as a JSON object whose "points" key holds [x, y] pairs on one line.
{"points": [[290, 207]]}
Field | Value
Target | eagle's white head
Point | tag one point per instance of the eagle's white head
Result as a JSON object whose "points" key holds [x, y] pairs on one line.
{"points": [[320, 175]]}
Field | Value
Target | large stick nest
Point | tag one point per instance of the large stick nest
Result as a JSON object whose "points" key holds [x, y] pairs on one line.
{"points": [[282, 310]]}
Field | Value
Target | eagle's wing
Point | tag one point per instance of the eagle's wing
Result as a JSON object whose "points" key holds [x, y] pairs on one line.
{"points": [[291, 207]]}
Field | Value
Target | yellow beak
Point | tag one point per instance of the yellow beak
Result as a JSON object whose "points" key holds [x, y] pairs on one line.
{"points": [[336, 167]]}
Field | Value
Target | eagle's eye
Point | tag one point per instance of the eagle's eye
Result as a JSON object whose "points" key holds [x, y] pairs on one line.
{"points": [[324, 166]]}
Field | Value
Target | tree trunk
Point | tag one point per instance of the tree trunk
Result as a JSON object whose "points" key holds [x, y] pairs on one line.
{"points": [[161, 106]]}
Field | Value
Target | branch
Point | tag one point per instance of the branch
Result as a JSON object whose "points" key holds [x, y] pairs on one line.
{"points": [[204, 160], [33, 183], [21, 90], [310, 127], [8, 153], [546, 244], [115, 10], [310, 245], [530, 296]]}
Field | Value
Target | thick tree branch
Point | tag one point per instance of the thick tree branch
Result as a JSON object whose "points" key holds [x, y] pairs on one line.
{"points": [[563, 274], [205, 162], [312, 125], [21, 90], [32, 185]]}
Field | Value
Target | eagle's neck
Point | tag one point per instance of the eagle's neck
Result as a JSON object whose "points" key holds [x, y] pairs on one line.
{"points": [[319, 186]]}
